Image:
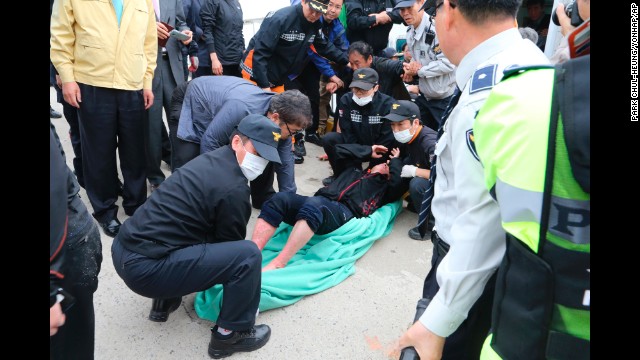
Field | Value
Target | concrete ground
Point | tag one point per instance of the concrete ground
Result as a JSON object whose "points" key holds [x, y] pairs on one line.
{"points": [[357, 319]]}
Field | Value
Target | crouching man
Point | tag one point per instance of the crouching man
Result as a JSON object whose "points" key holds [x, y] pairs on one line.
{"points": [[188, 236]]}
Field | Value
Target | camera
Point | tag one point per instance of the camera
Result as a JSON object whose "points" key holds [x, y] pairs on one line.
{"points": [[571, 9]]}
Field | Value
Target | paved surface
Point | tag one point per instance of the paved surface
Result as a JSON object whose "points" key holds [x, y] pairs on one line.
{"points": [[357, 319]]}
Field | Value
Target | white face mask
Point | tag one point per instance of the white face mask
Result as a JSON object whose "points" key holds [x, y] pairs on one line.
{"points": [[252, 165], [362, 101], [403, 136]]}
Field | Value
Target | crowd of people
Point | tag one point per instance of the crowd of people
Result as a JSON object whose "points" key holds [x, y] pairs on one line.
{"points": [[441, 124]]}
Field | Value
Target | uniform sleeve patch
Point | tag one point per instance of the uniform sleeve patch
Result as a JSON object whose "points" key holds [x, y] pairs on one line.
{"points": [[471, 144], [483, 79]]}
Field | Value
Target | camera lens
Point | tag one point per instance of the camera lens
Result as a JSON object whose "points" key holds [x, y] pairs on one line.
{"points": [[567, 10]]}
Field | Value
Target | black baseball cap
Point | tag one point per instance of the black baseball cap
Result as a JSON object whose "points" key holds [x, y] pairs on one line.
{"points": [[364, 78], [319, 5], [403, 110], [404, 4], [264, 135]]}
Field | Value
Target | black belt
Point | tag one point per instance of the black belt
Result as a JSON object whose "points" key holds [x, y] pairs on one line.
{"points": [[165, 54], [439, 245]]}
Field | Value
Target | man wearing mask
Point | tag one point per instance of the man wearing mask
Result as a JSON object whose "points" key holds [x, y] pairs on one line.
{"points": [[189, 236], [361, 126], [419, 143]]}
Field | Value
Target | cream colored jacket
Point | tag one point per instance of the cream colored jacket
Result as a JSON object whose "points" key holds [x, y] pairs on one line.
{"points": [[88, 47]]}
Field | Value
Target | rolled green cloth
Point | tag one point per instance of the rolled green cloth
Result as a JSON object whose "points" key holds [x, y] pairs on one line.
{"points": [[325, 261]]}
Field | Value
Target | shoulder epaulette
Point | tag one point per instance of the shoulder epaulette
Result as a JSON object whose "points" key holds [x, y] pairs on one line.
{"points": [[519, 69]]}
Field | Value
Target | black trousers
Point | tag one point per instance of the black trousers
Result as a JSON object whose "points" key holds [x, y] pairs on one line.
{"points": [[83, 260], [182, 151], [111, 118], [237, 265], [229, 70], [329, 142], [308, 82], [466, 342], [71, 115], [431, 110], [155, 131]]}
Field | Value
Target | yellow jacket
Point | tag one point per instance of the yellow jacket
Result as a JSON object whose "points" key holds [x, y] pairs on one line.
{"points": [[88, 47]]}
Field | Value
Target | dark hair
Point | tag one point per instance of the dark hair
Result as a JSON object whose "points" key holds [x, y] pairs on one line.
{"points": [[404, 46], [535, 2], [237, 132], [478, 12], [362, 48], [293, 107]]}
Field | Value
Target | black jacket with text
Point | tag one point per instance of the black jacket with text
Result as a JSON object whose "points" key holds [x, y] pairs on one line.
{"points": [[281, 43]]}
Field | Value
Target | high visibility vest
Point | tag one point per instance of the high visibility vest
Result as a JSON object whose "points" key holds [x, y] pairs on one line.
{"points": [[542, 302]]}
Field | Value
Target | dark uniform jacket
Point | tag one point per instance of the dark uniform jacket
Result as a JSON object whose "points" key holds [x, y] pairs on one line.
{"points": [[359, 23], [419, 152], [362, 126], [390, 74], [204, 201], [222, 30], [364, 192], [281, 44]]}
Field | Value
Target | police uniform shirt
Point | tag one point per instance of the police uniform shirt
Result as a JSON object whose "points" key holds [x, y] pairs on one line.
{"points": [[437, 75], [466, 216]]}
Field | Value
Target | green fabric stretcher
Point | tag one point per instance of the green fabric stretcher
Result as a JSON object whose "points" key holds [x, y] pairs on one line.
{"points": [[325, 261]]}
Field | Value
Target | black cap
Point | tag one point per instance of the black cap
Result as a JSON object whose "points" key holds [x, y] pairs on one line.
{"points": [[319, 5], [404, 4], [403, 110], [264, 135], [364, 78], [429, 6]]}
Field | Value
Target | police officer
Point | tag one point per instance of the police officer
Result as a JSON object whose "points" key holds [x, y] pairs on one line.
{"points": [[188, 237], [436, 74], [360, 119], [481, 40], [420, 142], [523, 327]]}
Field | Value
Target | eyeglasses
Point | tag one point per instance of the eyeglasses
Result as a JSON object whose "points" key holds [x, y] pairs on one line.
{"points": [[435, 11], [292, 133]]}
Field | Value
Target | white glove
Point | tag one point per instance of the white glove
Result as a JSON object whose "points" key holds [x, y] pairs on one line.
{"points": [[408, 171]]}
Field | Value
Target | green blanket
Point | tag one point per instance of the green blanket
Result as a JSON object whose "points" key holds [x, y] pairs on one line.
{"points": [[325, 261]]}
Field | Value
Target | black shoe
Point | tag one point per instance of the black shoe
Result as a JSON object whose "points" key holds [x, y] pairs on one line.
{"points": [[111, 228], [161, 308], [328, 180], [297, 159], [299, 149], [314, 139], [252, 339], [54, 114], [415, 234]]}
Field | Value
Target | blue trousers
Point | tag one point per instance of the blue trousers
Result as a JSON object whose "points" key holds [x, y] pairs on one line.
{"points": [[322, 215]]}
